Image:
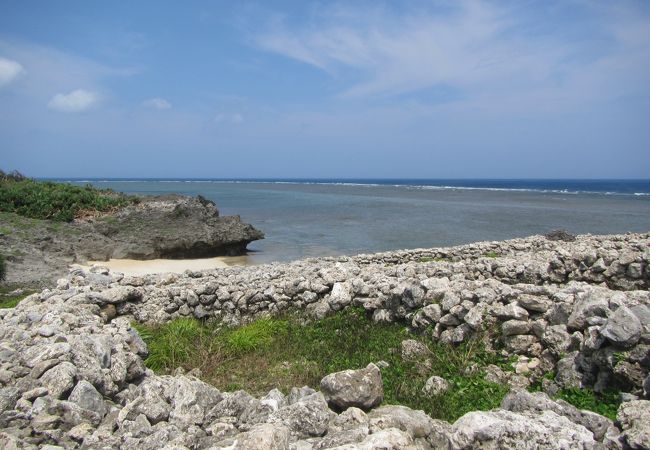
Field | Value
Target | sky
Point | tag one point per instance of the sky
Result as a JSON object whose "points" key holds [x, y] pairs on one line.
{"points": [[300, 89]]}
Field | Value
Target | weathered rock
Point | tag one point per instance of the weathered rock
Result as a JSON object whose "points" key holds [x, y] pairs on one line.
{"points": [[307, 417], [511, 311], [264, 436], [623, 328], [519, 400], [568, 374], [557, 339], [413, 350], [505, 429], [415, 423], [593, 303], [634, 418], [515, 327], [435, 385], [191, 400], [360, 388], [86, 396], [341, 296], [523, 291], [60, 379]]}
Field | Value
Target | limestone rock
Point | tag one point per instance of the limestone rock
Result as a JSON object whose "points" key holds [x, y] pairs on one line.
{"points": [[86, 396], [361, 388], [60, 379], [307, 417], [589, 304], [519, 400], [413, 350], [634, 418], [623, 328], [264, 436], [506, 429], [435, 385]]}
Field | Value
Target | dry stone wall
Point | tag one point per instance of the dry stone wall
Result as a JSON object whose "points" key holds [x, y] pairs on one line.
{"points": [[72, 372]]}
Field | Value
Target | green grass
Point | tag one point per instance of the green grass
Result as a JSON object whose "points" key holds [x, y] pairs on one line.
{"points": [[491, 255], [282, 353], [10, 301], [55, 201], [426, 259], [605, 404]]}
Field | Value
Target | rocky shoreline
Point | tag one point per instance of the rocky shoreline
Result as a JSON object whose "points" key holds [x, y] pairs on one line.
{"points": [[39, 252], [73, 376]]}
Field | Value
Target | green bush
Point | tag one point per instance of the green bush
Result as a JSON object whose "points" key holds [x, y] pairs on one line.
{"points": [[55, 201]]}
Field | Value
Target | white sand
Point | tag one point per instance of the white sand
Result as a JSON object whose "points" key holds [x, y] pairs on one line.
{"points": [[136, 267]]}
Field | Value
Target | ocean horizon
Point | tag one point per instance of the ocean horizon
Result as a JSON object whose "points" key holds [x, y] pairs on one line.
{"points": [[304, 218], [561, 186]]}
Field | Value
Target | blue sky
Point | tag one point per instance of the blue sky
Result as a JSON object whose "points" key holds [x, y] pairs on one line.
{"points": [[422, 89]]}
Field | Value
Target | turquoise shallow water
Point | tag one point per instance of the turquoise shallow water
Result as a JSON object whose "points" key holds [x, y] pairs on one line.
{"points": [[307, 218]]}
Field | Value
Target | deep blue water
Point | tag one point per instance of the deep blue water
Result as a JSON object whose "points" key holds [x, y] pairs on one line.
{"points": [[306, 218], [633, 187]]}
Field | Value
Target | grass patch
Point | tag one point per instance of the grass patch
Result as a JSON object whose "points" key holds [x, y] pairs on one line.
{"points": [[426, 259], [491, 255], [282, 353], [7, 300], [55, 201], [605, 404]]}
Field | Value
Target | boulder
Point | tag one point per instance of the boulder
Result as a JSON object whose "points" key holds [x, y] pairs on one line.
{"points": [[86, 396], [593, 303], [634, 418], [623, 328], [361, 388], [307, 417], [60, 379], [264, 436], [415, 423], [519, 400], [506, 429]]}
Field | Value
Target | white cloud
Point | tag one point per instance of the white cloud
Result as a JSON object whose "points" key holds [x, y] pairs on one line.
{"points": [[157, 103], [76, 101], [483, 50], [9, 70], [235, 118]]}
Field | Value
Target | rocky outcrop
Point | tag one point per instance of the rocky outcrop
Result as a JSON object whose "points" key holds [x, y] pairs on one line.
{"points": [[174, 226], [72, 372]]}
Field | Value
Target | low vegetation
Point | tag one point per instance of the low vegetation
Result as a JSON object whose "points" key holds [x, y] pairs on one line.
{"points": [[10, 297], [426, 259], [286, 352], [55, 201], [605, 404]]}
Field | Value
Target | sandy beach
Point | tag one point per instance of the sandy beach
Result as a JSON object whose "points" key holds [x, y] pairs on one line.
{"points": [[139, 267]]}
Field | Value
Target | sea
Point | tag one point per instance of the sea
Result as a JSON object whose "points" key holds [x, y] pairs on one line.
{"points": [[304, 218]]}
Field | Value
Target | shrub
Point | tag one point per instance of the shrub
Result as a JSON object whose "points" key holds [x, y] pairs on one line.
{"points": [[55, 201]]}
